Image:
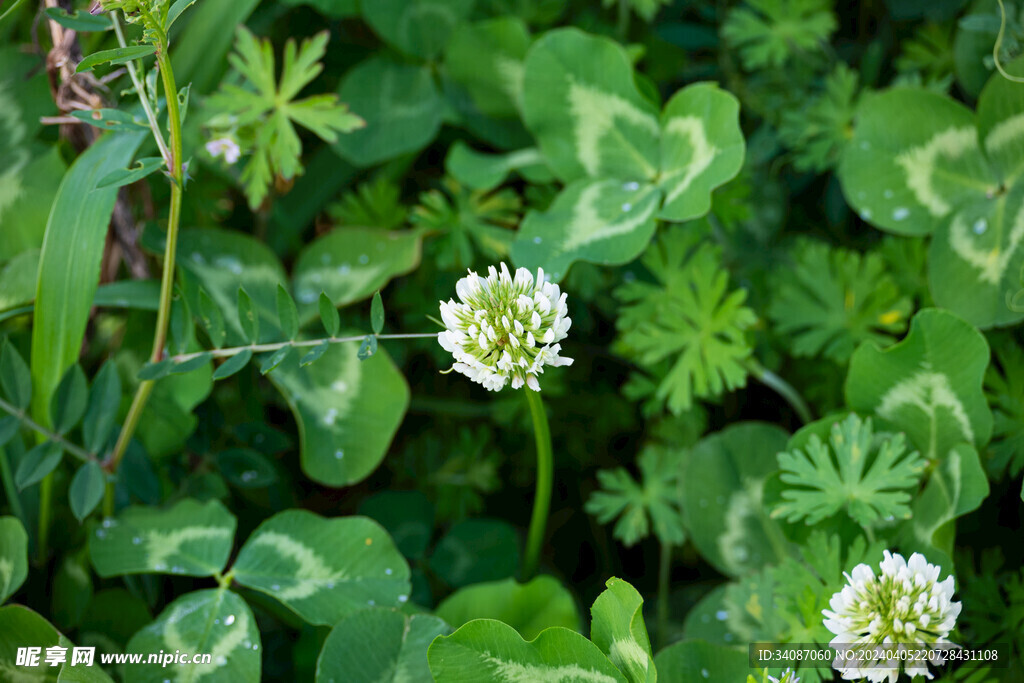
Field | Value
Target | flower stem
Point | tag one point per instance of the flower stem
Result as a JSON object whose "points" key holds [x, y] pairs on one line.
{"points": [[782, 388], [542, 494], [261, 348]]}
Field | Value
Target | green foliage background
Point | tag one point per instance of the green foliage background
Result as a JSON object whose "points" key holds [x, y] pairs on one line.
{"points": [[792, 237]]}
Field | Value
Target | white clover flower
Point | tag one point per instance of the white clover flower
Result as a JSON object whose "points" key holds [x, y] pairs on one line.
{"points": [[905, 608], [226, 147], [505, 327]]}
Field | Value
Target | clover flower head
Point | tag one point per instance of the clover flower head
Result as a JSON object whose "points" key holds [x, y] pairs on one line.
{"points": [[905, 607], [226, 147], [787, 676], [505, 327]]}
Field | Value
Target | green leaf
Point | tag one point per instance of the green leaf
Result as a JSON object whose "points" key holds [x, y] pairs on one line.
{"points": [[210, 316], [401, 105], [655, 500], [618, 628], [975, 260], [118, 55], [957, 486], [78, 21], [701, 148], [15, 378], [826, 479], [486, 650], [599, 221], [191, 364], [175, 11], [21, 627], [38, 463], [1001, 125], [213, 621], [18, 280], [137, 171], [723, 482], [582, 105], [486, 58], [399, 653], [69, 267], [323, 569], [246, 468], [248, 317], [315, 354], [481, 171], [771, 33], [272, 360], [101, 409], [928, 385], [233, 364], [350, 264], [113, 120], [86, 490], [155, 371], [347, 412], [417, 27], [329, 315], [377, 313], [13, 556], [200, 51], [68, 403], [287, 313], [914, 158], [367, 347], [221, 262], [474, 551], [696, 660], [831, 300], [529, 608], [686, 327], [189, 538], [9, 426]]}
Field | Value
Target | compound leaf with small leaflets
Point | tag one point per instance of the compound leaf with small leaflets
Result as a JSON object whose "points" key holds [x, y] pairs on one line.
{"points": [[323, 569], [826, 478], [485, 650], [686, 327], [928, 385], [833, 299], [655, 499]]}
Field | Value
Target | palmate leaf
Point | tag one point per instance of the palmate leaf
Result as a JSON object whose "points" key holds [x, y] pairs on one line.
{"points": [[817, 132], [687, 318], [825, 479], [834, 299], [654, 500], [769, 33], [268, 104]]}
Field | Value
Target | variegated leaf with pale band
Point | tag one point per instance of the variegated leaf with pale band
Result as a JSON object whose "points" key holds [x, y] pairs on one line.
{"points": [[323, 569], [189, 538]]}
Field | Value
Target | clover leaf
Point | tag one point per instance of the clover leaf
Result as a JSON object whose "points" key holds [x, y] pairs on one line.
{"points": [[834, 299], [826, 478]]}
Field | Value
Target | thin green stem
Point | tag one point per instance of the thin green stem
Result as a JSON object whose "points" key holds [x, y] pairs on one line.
{"points": [[782, 388], [10, 9], [260, 348], [49, 435], [664, 573], [176, 170], [545, 476], [143, 98], [999, 43]]}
